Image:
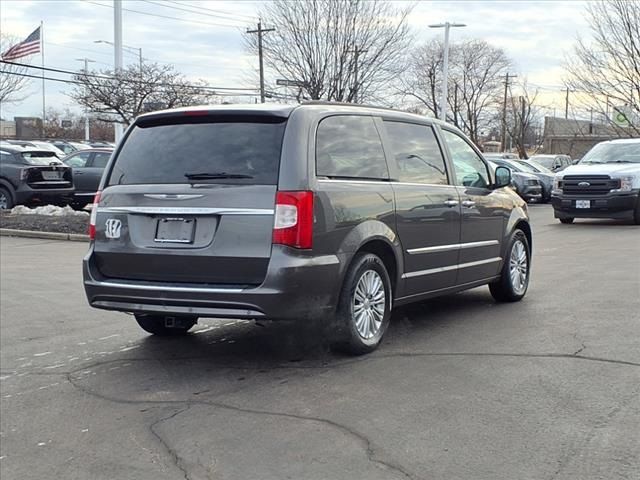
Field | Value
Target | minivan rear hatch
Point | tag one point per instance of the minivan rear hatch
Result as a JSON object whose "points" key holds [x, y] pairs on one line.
{"points": [[190, 198]]}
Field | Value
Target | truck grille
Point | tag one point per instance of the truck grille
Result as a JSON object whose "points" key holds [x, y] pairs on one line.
{"points": [[588, 184]]}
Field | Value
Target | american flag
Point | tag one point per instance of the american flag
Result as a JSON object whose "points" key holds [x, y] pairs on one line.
{"points": [[28, 46]]}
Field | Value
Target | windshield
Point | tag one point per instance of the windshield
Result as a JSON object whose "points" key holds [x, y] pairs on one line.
{"points": [[613, 153], [546, 162], [534, 167], [229, 152], [40, 158]]}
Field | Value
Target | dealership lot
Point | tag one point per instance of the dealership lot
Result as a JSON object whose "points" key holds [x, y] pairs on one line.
{"points": [[461, 387]]}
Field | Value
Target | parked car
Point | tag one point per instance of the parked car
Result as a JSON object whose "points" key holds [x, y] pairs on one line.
{"points": [[318, 212], [30, 177], [522, 167], [38, 145], [88, 166], [605, 184], [555, 163], [66, 147], [526, 185]]}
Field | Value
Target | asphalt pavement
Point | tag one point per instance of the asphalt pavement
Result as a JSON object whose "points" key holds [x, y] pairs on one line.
{"points": [[462, 388]]}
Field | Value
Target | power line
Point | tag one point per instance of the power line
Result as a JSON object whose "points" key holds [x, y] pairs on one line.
{"points": [[167, 17], [75, 82], [249, 17], [182, 9], [113, 77]]}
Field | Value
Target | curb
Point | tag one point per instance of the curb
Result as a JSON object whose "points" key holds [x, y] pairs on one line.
{"points": [[73, 237]]}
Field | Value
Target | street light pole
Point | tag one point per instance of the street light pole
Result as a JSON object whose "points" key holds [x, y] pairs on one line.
{"points": [[86, 112], [445, 65], [117, 47]]}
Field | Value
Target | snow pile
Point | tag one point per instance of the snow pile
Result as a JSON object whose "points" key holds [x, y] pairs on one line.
{"points": [[48, 210]]}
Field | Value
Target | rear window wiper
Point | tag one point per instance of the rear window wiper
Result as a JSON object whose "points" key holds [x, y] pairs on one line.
{"points": [[214, 175]]}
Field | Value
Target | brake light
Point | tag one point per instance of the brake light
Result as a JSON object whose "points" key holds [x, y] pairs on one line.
{"points": [[24, 173], [293, 223], [94, 214]]}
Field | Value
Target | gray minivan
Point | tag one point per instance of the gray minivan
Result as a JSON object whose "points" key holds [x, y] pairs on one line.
{"points": [[316, 212]]}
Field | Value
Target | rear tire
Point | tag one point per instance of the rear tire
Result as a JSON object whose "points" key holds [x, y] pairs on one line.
{"points": [[164, 325], [566, 220], [636, 215], [79, 206], [364, 309], [514, 278], [6, 199]]}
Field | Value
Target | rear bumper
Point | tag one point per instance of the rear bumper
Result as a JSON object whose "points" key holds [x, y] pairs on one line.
{"points": [[296, 287], [26, 195], [612, 205]]}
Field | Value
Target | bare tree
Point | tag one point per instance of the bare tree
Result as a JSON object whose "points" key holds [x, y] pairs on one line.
{"points": [[13, 83], [607, 69], [339, 50], [476, 69], [522, 116], [56, 126], [121, 97]]}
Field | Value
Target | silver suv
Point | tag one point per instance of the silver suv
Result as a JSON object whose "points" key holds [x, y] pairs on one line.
{"points": [[317, 212]]}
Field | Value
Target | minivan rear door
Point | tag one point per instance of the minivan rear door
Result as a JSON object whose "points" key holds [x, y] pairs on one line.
{"points": [[190, 198]]}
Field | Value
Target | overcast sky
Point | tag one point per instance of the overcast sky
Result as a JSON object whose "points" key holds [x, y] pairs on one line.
{"points": [[208, 43]]}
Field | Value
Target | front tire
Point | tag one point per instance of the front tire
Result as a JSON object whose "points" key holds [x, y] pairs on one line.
{"points": [[364, 309], [636, 214], [165, 326], [514, 277]]}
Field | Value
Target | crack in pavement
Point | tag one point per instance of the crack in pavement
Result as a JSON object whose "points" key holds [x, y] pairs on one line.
{"points": [[367, 444], [177, 460]]}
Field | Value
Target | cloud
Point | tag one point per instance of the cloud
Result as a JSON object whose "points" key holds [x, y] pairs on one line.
{"points": [[209, 44]]}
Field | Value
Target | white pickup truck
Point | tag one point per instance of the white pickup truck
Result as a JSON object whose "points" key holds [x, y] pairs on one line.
{"points": [[605, 184]]}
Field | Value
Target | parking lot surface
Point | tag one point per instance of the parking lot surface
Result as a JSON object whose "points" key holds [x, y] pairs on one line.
{"points": [[461, 388]]}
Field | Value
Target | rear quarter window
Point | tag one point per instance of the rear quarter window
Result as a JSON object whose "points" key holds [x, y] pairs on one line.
{"points": [[163, 154]]}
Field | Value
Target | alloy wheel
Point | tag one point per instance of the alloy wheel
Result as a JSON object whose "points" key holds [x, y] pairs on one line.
{"points": [[518, 267], [368, 304]]}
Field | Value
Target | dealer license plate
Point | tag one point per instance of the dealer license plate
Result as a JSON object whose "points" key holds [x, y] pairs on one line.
{"points": [[175, 230], [51, 175], [583, 203]]}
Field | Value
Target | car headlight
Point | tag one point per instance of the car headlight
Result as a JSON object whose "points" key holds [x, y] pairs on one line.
{"points": [[626, 183], [557, 181]]}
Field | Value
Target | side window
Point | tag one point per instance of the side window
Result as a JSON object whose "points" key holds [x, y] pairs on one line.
{"points": [[471, 171], [417, 152], [78, 161], [349, 146], [100, 159]]}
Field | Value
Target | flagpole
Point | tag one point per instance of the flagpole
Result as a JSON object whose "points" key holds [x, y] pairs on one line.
{"points": [[42, 55]]}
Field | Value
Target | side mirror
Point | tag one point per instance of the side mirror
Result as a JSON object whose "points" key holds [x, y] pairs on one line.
{"points": [[503, 177]]}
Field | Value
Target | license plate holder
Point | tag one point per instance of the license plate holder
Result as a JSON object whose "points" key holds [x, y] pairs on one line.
{"points": [[51, 175], [583, 203], [175, 230]]}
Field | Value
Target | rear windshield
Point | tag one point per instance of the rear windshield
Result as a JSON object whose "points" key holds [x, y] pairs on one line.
{"points": [[225, 152], [40, 158]]}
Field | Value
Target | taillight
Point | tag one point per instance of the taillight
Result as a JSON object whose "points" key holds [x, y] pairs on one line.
{"points": [[293, 223], [94, 214], [24, 173]]}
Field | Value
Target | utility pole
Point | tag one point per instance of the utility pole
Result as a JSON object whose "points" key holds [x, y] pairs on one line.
{"points": [[356, 57], [503, 137], [566, 105], [86, 112], [260, 31], [445, 65], [117, 51]]}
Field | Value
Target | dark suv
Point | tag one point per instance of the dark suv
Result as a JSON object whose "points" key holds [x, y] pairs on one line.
{"points": [[320, 211], [30, 176]]}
